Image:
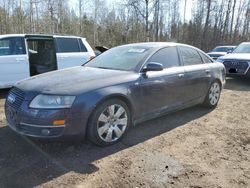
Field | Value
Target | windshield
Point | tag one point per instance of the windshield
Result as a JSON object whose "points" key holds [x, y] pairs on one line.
{"points": [[222, 49], [120, 58], [243, 48]]}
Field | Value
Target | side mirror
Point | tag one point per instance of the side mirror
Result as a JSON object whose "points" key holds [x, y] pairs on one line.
{"points": [[152, 66], [229, 51]]}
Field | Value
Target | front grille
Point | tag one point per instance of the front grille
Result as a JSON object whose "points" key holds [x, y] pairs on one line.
{"points": [[240, 65], [18, 98]]}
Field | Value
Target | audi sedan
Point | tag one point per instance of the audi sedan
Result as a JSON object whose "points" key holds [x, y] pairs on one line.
{"points": [[120, 88]]}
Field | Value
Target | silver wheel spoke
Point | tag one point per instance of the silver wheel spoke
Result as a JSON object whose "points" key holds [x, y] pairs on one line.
{"points": [[103, 118], [117, 131], [119, 112], [111, 110], [103, 129], [217, 95], [109, 135], [122, 121], [210, 95]]}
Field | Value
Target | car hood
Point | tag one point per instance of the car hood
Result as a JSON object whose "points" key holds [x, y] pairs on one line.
{"points": [[217, 53], [238, 56], [74, 81]]}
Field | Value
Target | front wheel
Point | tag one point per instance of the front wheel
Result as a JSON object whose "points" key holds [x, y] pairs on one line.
{"points": [[109, 122], [213, 95]]}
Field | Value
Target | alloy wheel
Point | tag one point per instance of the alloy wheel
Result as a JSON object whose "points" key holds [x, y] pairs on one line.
{"points": [[112, 123], [214, 93]]}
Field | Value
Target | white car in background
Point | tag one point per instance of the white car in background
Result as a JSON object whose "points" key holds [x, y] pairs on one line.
{"points": [[219, 51], [24, 55], [237, 63]]}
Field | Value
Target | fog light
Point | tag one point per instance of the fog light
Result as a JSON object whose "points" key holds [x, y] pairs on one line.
{"points": [[59, 122], [45, 132]]}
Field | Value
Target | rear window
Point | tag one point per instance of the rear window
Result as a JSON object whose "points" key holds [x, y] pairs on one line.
{"points": [[67, 45], [205, 58], [190, 56], [82, 46]]}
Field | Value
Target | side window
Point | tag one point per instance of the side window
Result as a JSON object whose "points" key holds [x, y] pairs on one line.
{"points": [[168, 57], [67, 45], [205, 58], [12, 46], [190, 56], [82, 46]]}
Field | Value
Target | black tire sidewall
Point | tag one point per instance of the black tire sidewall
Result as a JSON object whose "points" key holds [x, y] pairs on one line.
{"points": [[92, 132]]}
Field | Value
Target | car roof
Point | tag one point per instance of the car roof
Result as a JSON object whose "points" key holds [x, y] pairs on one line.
{"points": [[245, 43], [231, 46], [24, 35], [158, 44]]}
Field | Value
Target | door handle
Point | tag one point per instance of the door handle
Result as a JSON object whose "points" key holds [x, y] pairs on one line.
{"points": [[207, 71], [20, 59], [181, 75]]}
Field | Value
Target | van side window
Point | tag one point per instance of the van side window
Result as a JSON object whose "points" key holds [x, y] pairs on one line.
{"points": [[82, 46], [67, 45], [190, 56], [168, 57], [12, 46], [205, 58]]}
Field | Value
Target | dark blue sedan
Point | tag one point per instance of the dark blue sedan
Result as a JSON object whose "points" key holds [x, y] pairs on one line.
{"points": [[122, 87]]}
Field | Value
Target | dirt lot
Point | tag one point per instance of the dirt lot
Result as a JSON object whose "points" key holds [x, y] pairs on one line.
{"points": [[194, 148]]}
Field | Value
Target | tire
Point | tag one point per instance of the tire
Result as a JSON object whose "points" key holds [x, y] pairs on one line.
{"points": [[109, 122], [213, 95]]}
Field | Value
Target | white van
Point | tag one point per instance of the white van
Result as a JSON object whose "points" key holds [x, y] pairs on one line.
{"points": [[23, 55]]}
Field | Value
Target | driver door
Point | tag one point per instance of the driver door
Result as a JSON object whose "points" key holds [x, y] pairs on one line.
{"points": [[161, 91]]}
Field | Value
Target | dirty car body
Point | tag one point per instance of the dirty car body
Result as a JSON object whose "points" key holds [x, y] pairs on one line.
{"points": [[148, 94]]}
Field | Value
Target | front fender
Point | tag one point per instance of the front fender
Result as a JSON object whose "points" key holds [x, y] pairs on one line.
{"points": [[86, 103]]}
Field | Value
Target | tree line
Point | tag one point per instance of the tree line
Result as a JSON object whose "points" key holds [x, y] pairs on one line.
{"points": [[213, 22]]}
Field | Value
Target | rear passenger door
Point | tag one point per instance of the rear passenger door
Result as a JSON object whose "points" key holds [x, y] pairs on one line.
{"points": [[14, 64], [70, 52], [197, 73]]}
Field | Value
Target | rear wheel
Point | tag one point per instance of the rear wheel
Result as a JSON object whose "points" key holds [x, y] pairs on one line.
{"points": [[213, 95], [109, 122]]}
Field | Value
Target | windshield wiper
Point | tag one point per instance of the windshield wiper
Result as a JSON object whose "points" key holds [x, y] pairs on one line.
{"points": [[103, 67]]}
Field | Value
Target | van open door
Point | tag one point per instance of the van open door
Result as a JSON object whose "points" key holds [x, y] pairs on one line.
{"points": [[14, 64], [42, 54]]}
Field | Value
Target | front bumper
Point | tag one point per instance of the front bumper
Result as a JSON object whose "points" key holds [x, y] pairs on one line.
{"points": [[38, 123], [38, 131]]}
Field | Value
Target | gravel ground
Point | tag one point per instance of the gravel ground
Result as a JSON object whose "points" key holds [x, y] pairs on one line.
{"points": [[196, 147]]}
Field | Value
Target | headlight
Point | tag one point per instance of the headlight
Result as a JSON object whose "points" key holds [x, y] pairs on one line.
{"points": [[52, 101]]}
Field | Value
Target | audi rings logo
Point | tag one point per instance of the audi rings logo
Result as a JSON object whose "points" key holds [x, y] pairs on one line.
{"points": [[11, 98], [235, 63]]}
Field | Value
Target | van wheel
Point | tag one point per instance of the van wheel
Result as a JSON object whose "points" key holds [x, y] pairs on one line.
{"points": [[213, 95], [109, 122]]}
